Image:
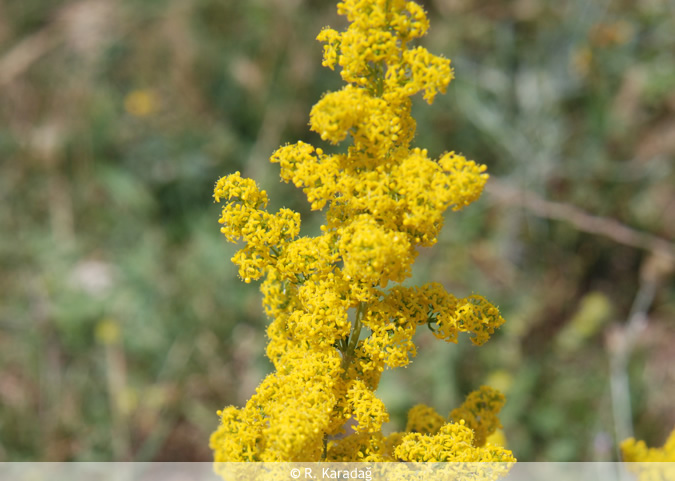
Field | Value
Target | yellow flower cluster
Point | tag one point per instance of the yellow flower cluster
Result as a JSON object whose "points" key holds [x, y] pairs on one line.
{"points": [[479, 412], [430, 438], [638, 452], [650, 464], [336, 322]]}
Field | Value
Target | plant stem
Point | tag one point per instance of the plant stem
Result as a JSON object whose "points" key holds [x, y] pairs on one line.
{"points": [[353, 338]]}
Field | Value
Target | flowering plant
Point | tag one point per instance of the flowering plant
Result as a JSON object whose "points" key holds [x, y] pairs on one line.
{"points": [[339, 313], [638, 452]]}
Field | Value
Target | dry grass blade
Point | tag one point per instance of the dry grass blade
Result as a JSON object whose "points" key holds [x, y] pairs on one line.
{"points": [[581, 220]]}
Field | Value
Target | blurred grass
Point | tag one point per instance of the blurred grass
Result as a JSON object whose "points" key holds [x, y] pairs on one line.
{"points": [[123, 326]]}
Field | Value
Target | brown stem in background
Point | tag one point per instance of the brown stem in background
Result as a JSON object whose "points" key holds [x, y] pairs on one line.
{"points": [[581, 220]]}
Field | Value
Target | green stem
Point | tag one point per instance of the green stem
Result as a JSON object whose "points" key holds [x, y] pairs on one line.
{"points": [[356, 332], [353, 338]]}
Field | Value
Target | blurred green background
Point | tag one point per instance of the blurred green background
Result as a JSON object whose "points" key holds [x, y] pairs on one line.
{"points": [[123, 325]]}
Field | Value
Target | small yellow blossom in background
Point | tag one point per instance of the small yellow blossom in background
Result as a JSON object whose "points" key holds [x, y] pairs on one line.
{"points": [[107, 331], [650, 464], [141, 103], [611, 34], [638, 452], [339, 316]]}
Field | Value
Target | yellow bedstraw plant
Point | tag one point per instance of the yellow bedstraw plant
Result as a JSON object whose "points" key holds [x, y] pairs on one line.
{"points": [[650, 464], [339, 314], [634, 451]]}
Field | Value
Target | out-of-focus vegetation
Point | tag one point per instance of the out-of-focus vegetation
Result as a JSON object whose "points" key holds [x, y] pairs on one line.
{"points": [[123, 326]]}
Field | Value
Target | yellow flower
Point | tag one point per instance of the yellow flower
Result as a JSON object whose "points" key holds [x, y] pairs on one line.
{"points": [[141, 103], [454, 443], [637, 451], [425, 420], [479, 412], [108, 331], [339, 316], [651, 464]]}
